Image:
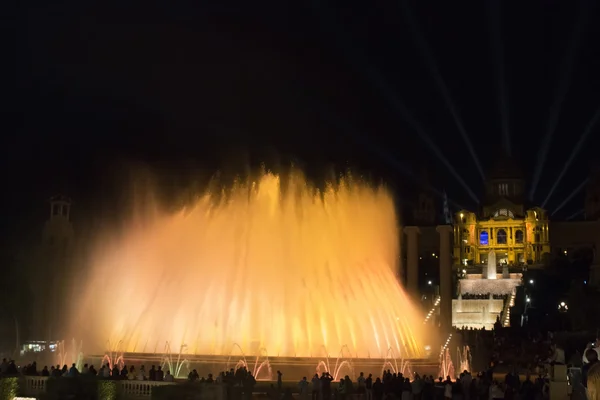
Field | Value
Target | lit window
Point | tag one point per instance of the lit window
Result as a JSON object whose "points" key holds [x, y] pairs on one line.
{"points": [[483, 238], [501, 236], [519, 236]]}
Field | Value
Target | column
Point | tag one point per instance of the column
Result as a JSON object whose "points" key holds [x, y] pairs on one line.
{"points": [[412, 259], [445, 277]]}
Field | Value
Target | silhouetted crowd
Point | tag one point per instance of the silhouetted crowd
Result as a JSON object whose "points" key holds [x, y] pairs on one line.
{"points": [[239, 384], [479, 296], [9, 368]]}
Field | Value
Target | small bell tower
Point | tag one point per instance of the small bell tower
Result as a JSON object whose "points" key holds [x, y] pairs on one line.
{"points": [[60, 207], [58, 230]]}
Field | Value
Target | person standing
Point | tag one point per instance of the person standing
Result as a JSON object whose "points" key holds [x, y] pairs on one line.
{"points": [[326, 379], [316, 387], [303, 388], [369, 387]]}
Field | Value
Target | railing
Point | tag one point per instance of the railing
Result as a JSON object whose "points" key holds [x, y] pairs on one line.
{"points": [[34, 386], [136, 388]]}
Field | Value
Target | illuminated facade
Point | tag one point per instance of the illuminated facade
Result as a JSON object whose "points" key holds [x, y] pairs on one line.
{"points": [[517, 235]]}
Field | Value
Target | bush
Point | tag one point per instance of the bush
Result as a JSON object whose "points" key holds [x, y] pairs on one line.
{"points": [[9, 388], [107, 390]]}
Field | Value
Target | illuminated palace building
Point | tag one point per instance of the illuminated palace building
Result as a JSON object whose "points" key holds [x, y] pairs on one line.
{"points": [[515, 234], [491, 247]]}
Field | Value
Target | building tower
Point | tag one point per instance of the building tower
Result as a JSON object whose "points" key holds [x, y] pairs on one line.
{"points": [[53, 284], [504, 188], [424, 213]]}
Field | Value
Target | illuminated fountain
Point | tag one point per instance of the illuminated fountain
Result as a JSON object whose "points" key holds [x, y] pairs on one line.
{"points": [[174, 366], [268, 264], [464, 358], [261, 369], [343, 364], [67, 357], [113, 355], [446, 364], [491, 267], [391, 363]]}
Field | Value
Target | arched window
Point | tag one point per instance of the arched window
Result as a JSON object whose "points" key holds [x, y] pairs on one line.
{"points": [[483, 238], [518, 236], [501, 236]]}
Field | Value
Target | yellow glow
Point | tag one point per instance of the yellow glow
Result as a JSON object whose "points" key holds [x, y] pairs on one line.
{"points": [[294, 271]]}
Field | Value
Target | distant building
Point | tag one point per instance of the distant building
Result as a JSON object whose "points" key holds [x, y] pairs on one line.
{"points": [[517, 235]]}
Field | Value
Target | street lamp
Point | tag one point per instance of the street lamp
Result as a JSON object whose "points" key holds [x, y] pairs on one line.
{"points": [[563, 307]]}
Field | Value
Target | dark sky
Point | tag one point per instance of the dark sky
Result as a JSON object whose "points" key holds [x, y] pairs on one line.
{"points": [[196, 85]]}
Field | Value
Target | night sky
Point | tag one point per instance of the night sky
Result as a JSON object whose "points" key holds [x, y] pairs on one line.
{"points": [[190, 88]]}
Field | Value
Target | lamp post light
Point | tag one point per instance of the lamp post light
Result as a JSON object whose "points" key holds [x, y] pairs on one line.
{"points": [[563, 307]]}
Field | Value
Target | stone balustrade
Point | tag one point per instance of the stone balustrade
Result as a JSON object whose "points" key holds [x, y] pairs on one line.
{"points": [[35, 386], [137, 389]]}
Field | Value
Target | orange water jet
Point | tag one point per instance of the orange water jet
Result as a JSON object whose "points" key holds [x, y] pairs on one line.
{"points": [[289, 271]]}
